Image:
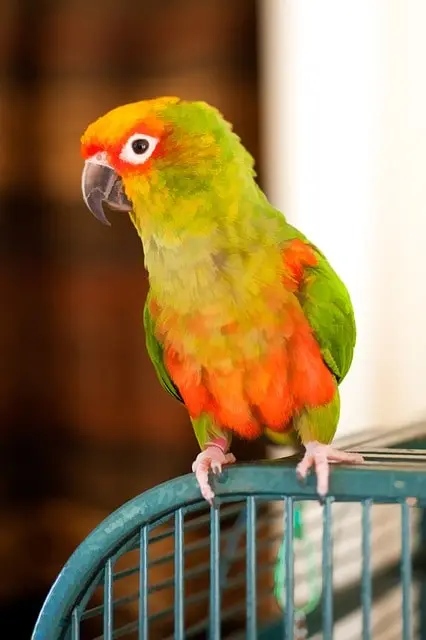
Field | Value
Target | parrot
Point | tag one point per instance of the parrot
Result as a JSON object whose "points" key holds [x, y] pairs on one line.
{"points": [[246, 322]]}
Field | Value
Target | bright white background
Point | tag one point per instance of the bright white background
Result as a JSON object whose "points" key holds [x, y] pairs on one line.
{"points": [[344, 142]]}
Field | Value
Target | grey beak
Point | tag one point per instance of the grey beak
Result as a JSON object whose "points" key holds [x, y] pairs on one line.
{"points": [[99, 184]]}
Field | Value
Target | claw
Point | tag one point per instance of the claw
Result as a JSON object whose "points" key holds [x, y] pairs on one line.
{"points": [[211, 459], [319, 456], [216, 467]]}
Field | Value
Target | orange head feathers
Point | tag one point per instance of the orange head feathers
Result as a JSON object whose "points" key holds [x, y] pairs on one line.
{"points": [[161, 151]]}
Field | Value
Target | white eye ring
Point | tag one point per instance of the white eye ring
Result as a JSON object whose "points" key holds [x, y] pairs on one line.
{"points": [[138, 148]]}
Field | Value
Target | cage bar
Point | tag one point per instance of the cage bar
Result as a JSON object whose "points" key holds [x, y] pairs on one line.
{"points": [[327, 571], [215, 599], [108, 601], [143, 585], [75, 625], [251, 604], [366, 592], [406, 577], [179, 573], [289, 568]]}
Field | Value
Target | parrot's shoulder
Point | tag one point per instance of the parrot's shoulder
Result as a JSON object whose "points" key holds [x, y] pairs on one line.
{"points": [[156, 353], [324, 298]]}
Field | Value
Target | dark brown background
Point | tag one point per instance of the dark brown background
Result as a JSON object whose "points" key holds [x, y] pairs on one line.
{"points": [[84, 423]]}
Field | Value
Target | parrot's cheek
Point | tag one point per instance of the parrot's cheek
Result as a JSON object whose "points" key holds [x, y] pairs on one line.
{"points": [[100, 184]]}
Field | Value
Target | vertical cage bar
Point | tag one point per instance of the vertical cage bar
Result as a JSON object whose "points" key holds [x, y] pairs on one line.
{"points": [[366, 599], [422, 601], [75, 625], [215, 604], [327, 571], [108, 601], [251, 601], [143, 584], [406, 571], [179, 574], [289, 568]]}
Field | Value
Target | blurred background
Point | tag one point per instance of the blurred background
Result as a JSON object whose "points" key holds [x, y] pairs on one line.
{"points": [[85, 425], [329, 97]]}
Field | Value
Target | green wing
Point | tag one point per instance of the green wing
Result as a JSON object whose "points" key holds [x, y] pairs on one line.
{"points": [[155, 352], [327, 305]]}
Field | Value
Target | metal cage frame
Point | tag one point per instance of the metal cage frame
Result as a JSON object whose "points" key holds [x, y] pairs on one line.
{"points": [[384, 482]]}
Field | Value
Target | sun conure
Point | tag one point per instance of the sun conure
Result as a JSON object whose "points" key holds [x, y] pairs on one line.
{"points": [[246, 322]]}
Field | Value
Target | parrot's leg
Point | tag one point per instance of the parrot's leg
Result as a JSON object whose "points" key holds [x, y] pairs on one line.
{"points": [[214, 444], [316, 427], [211, 459]]}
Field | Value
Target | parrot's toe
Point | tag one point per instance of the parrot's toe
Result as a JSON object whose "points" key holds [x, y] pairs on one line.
{"points": [[230, 458], [211, 459], [206, 491], [319, 456], [216, 467]]}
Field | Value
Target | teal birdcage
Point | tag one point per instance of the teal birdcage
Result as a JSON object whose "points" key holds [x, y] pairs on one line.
{"points": [[268, 561]]}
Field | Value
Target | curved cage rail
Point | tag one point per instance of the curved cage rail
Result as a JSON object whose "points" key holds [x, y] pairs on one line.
{"points": [[268, 561]]}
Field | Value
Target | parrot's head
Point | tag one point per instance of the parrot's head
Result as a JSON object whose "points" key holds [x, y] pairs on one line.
{"points": [[143, 155]]}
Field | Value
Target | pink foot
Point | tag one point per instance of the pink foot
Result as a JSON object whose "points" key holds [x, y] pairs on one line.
{"points": [[319, 455], [211, 459]]}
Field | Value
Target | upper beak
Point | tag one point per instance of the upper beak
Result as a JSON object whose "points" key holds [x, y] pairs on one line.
{"points": [[99, 184]]}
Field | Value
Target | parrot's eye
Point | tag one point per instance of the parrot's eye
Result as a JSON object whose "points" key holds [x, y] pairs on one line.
{"points": [[138, 148], [140, 145]]}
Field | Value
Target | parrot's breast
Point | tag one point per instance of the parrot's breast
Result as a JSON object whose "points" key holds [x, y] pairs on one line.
{"points": [[238, 346]]}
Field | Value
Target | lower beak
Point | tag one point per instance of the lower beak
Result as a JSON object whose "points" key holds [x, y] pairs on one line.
{"points": [[99, 184]]}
